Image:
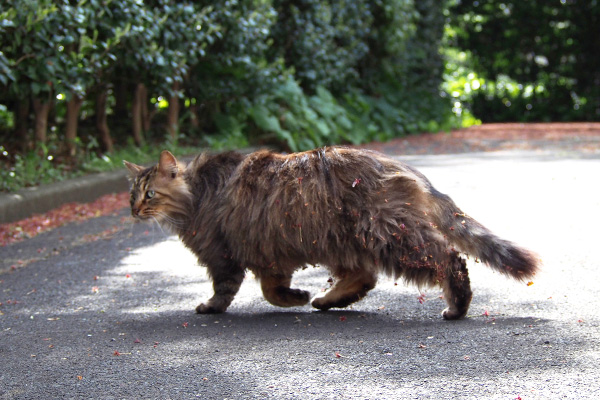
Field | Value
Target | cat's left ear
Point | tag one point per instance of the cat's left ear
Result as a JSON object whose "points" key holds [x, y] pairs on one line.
{"points": [[167, 164], [133, 168]]}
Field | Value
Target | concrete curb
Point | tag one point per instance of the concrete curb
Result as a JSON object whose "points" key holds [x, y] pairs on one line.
{"points": [[27, 202]]}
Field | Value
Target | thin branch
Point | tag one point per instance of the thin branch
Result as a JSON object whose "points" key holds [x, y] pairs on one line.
{"points": [[26, 56]]}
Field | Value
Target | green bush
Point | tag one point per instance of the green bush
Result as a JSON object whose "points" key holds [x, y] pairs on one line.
{"points": [[322, 41], [536, 60], [233, 65], [30, 168], [292, 73], [302, 122]]}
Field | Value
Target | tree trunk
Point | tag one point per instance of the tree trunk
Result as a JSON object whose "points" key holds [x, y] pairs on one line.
{"points": [[73, 107], [136, 111], [41, 109], [21, 117], [101, 123], [121, 92], [194, 116], [173, 113], [146, 115]]}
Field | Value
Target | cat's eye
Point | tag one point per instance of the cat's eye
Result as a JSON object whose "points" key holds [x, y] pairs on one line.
{"points": [[150, 194]]}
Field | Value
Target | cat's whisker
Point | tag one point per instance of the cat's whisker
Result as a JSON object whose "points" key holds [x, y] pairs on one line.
{"points": [[129, 222], [160, 226], [172, 221]]}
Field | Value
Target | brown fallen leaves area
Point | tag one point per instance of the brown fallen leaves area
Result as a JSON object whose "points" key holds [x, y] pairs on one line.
{"points": [[70, 212], [581, 137]]}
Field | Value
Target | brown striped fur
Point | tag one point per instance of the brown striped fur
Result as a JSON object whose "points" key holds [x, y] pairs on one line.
{"points": [[356, 212]]}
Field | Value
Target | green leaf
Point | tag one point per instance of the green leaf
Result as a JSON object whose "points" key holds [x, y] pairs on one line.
{"points": [[322, 128], [264, 119], [289, 139]]}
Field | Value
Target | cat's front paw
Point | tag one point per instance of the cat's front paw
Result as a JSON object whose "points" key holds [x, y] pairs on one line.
{"points": [[209, 309]]}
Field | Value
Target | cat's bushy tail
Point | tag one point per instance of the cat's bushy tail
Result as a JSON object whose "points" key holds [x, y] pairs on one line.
{"points": [[474, 239]]}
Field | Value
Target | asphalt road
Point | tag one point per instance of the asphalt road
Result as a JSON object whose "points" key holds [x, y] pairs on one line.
{"points": [[105, 309]]}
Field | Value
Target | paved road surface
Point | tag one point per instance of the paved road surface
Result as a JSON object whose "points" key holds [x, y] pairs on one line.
{"points": [[105, 309]]}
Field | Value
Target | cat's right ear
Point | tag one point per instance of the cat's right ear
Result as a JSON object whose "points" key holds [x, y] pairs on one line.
{"points": [[134, 169]]}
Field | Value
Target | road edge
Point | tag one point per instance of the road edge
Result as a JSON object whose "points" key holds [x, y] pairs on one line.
{"points": [[27, 202]]}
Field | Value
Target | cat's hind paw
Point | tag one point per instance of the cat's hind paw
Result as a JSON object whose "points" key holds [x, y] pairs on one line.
{"points": [[320, 304], [285, 297], [450, 315], [324, 303]]}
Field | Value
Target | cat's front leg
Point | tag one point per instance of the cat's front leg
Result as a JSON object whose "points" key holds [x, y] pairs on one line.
{"points": [[227, 279]]}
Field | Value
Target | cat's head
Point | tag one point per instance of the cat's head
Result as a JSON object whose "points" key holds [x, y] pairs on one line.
{"points": [[159, 192]]}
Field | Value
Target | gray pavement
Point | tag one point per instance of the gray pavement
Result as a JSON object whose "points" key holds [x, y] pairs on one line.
{"points": [[105, 309]]}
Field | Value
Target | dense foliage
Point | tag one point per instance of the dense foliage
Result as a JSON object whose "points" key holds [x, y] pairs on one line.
{"points": [[532, 60], [82, 77]]}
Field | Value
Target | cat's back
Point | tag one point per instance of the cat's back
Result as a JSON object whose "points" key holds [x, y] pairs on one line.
{"points": [[326, 175], [322, 165], [209, 170]]}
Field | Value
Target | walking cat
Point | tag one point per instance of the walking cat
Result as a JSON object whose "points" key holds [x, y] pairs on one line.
{"points": [[356, 212]]}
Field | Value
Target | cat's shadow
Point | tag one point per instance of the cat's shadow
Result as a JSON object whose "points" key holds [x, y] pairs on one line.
{"points": [[299, 323]]}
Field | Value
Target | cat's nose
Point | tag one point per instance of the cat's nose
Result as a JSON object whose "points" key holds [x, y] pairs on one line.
{"points": [[135, 211]]}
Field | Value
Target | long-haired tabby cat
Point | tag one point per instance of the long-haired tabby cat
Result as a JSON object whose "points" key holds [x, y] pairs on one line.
{"points": [[356, 212]]}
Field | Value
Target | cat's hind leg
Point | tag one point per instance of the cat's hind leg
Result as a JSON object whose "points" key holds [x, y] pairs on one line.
{"points": [[350, 286], [227, 279], [457, 288], [276, 290]]}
